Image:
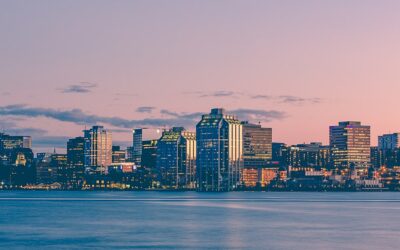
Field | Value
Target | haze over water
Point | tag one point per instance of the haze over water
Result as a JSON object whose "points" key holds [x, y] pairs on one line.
{"points": [[76, 220]]}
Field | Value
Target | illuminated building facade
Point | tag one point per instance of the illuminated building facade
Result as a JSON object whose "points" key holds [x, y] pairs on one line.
{"points": [[219, 141], [98, 148], [149, 154], [75, 160], [137, 145], [176, 158], [118, 155], [350, 146], [389, 141], [257, 145]]}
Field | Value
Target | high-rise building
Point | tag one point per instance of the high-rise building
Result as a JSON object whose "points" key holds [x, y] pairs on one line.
{"points": [[59, 164], [75, 160], [137, 144], [350, 146], [149, 154], [219, 141], [257, 145], [75, 151], [176, 158], [98, 148], [389, 141]]}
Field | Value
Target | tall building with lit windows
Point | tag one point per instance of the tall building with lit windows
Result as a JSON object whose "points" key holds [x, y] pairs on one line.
{"points": [[219, 141], [137, 146], [350, 146], [76, 160], [389, 141], [98, 148], [257, 145], [176, 158]]}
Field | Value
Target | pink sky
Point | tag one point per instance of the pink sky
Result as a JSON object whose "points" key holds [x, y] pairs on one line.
{"points": [[318, 62]]}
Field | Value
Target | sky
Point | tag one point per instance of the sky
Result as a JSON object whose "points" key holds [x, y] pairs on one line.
{"points": [[295, 66]]}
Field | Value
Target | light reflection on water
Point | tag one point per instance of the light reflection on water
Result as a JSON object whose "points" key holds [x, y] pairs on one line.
{"points": [[199, 220]]}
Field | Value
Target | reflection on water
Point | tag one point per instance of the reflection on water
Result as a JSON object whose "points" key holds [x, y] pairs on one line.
{"points": [[199, 220]]}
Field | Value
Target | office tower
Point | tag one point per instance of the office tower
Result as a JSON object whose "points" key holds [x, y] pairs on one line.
{"points": [[137, 144], [257, 145], [176, 156], [98, 148], [389, 141], [149, 154], [59, 164], [350, 146], [257, 153], [75, 151], [118, 155], [76, 160], [219, 143]]}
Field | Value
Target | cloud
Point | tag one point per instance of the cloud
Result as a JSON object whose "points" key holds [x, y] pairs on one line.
{"points": [[10, 127], [218, 93], [258, 115], [288, 99], [298, 100], [145, 109], [79, 117], [82, 87], [266, 97]]}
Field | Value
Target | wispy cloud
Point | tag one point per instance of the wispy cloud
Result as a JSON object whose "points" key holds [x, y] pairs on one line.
{"points": [[10, 127], [145, 109], [287, 99], [79, 117], [82, 87], [298, 100], [258, 115], [218, 93], [264, 97]]}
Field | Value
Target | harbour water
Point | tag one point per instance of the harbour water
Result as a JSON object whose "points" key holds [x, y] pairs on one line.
{"points": [[190, 220]]}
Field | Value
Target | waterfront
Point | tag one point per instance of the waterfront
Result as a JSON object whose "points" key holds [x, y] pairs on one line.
{"points": [[50, 220]]}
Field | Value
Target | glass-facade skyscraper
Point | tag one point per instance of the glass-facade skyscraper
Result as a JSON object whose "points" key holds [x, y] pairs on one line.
{"points": [[137, 144], [257, 145], [98, 148], [389, 141], [350, 146], [219, 141], [176, 158]]}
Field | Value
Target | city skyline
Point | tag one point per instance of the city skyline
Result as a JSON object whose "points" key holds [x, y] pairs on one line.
{"points": [[297, 67]]}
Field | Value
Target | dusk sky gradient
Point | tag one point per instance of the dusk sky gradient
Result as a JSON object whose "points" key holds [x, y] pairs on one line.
{"points": [[295, 66]]}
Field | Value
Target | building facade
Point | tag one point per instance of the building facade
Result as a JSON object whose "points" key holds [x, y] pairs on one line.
{"points": [[176, 159], [219, 141], [98, 148], [389, 141], [137, 146], [350, 146]]}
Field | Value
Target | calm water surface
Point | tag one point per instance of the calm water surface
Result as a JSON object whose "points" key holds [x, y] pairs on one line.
{"points": [[168, 220]]}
